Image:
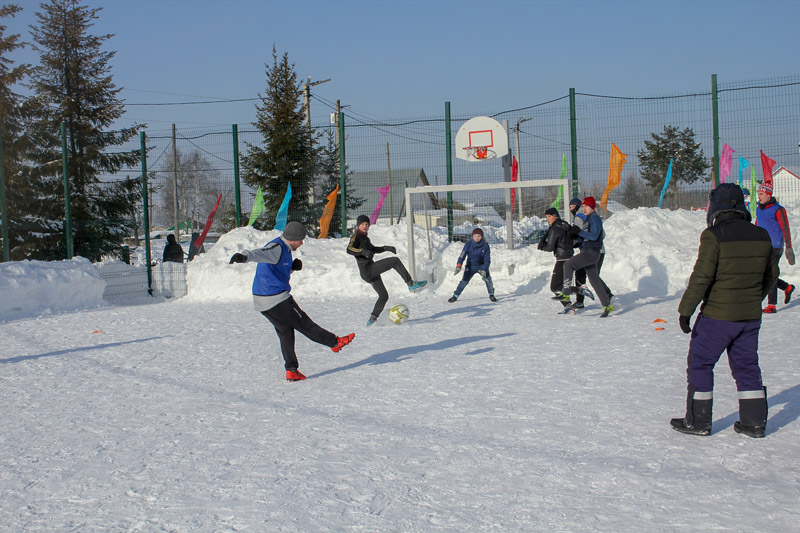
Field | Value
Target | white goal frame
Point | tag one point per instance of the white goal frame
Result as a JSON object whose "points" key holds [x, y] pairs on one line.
{"points": [[509, 216]]}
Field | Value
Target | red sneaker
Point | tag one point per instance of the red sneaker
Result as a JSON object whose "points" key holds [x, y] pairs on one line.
{"points": [[788, 294], [294, 375], [341, 342], [770, 309]]}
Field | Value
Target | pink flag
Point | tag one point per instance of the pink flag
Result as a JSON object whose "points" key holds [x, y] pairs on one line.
{"points": [[377, 211], [199, 242], [725, 162], [514, 175], [767, 164]]}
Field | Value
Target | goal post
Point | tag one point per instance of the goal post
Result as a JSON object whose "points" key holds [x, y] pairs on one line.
{"points": [[485, 205]]}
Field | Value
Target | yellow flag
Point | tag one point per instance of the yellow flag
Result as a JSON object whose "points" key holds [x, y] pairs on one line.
{"points": [[614, 172], [327, 214]]}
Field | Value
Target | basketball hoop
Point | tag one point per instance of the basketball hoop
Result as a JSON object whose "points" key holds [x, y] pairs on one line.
{"points": [[477, 152]]}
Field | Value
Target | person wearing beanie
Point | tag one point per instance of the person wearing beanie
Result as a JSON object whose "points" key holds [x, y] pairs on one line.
{"points": [[363, 250], [591, 234], [734, 271], [771, 216], [478, 257], [559, 241], [272, 298]]}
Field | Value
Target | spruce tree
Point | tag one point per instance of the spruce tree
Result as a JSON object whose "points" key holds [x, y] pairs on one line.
{"points": [[11, 122], [73, 84], [289, 153], [329, 178], [689, 164]]}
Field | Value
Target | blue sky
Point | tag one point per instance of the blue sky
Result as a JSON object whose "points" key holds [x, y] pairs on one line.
{"points": [[404, 59]]}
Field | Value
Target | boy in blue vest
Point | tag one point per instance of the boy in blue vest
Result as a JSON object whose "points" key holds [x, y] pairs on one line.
{"points": [[271, 296], [771, 216], [476, 252]]}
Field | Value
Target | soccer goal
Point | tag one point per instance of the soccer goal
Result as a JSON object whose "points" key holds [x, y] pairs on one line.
{"points": [[510, 214]]}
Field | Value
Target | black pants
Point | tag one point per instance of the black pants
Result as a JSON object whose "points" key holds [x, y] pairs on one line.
{"points": [[557, 279], [288, 317], [580, 278], [587, 260], [372, 275], [772, 299]]}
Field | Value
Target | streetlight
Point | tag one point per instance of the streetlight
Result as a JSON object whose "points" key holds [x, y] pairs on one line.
{"points": [[307, 96], [516, 135]]}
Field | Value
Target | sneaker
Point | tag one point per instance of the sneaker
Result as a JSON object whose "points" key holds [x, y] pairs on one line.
{"points": [[607, 310], [788, 294], [417, 285], [294, 375], [372, 320], [770, 309], [341, 342], [679, 424], [562, 297], [757, 432], [584, 290], [492, 298], [452, 298]]}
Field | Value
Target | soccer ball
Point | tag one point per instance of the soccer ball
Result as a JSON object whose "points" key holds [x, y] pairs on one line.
{"points": [[398, 314]]}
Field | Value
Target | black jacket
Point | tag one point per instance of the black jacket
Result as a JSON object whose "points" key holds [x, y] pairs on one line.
{"points": [[172, 251], [361, 247], [558, 240]]}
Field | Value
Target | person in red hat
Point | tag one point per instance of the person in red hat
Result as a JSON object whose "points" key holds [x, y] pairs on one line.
{"points": [[771, 216], [478, 256], [592, 235]]}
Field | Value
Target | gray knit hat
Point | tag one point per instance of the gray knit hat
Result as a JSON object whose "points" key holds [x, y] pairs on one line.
{"points": [[294, 231]]}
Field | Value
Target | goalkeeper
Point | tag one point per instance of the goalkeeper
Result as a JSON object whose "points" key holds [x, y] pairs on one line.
{"points": [[476, 252]]}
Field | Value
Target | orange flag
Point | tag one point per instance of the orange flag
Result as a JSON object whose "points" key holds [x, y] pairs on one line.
{"points": [[614, 172], [327, 214]]}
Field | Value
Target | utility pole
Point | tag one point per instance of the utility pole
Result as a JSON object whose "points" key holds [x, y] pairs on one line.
{"points": [[307, 97], [519, 164]]}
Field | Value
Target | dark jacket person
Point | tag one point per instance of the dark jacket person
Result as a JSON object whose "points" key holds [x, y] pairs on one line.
{"points": [[172, 251]]}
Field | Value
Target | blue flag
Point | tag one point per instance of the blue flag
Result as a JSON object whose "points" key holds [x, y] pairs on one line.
{"points": [[742, 165], [283, 211], [666, 183]]}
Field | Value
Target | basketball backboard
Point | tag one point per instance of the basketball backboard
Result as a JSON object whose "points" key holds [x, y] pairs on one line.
{"points": [[481, 138]]}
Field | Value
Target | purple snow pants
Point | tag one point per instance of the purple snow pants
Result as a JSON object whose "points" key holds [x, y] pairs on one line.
{"points": [[710, 338]]}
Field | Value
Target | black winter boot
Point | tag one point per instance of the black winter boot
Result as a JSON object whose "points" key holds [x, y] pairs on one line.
{"points": [[752, 413], [698, 414]]}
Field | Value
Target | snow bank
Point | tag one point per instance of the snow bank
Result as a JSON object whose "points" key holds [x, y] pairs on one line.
{"points": [[40, 287]]}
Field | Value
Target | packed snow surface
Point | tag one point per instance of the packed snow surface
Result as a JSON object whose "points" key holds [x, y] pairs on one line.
{"points": [[173, 415]]}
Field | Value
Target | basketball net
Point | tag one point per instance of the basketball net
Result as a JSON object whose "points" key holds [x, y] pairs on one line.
{"points": [[478, 152]]}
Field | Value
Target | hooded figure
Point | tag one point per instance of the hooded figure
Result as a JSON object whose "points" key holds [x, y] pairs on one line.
{"points": [[172, 251]]}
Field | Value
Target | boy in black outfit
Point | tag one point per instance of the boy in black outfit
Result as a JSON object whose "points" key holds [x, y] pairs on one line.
{"points": [[361, 247], [559, 241]]}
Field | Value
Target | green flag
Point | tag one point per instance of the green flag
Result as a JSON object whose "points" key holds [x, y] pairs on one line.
{"points": [[258, 207], [557, 202], [753, 195]]}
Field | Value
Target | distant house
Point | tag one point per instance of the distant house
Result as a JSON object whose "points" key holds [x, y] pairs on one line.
{"points": [[366, 183], [786, 186]]}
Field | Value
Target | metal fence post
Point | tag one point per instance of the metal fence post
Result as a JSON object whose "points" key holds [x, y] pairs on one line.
{"points": [[573, 139], [236, 189], [146, 214], [67, 210], [342, 174], [448, 136], [3, 205], [715, 116]]}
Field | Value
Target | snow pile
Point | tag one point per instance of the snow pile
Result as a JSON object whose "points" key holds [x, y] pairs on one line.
{"points": [[39, 287]]}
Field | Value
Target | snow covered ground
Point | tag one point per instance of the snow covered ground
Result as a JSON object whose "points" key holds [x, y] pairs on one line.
{"points": [[173, 415]]}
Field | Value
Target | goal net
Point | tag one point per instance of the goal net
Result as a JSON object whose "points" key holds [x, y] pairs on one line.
{"points": [[511, 214]]}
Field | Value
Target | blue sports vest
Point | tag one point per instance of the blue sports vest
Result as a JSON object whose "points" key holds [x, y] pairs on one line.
{"points": [[274, 279], [768, 220]]}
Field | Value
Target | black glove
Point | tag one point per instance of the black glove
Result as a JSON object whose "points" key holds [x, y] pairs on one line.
{"points": [[575, 229], [238, 258], [368, 254], [540, 246], [390, 249], [684, 322], [790, 256], [297, 264]]}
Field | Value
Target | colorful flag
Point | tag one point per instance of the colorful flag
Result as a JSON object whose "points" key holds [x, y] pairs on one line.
{"points": [[767, 165], [615, 165], [327, 214], [666, 183], [753, 187], [283, 211], [383, 191], [557, 202], [742, 165], [514, 177], [199, 242], [725, 162], [258, 207]]}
